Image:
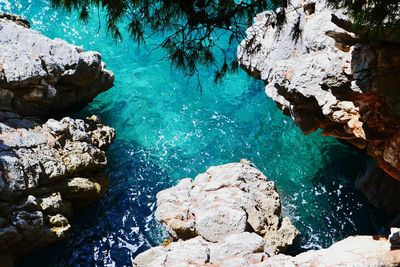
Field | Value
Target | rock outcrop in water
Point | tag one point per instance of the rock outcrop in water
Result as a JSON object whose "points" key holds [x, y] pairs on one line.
{"points": [[43, 77], [229, 214], [50, 169], [319, 72], [47, 170]]}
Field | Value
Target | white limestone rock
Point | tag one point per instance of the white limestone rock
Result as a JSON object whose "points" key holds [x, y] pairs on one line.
{"points": [[228, 216], [326, 78], [47, 170], [42, 76]]}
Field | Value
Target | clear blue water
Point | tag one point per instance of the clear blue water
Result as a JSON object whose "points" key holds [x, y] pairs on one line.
{"points": [[167, 130]]}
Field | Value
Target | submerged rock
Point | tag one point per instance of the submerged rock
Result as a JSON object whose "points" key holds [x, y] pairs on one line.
{"points": [[45, 77], [47, 170], [317, 71], [231, 214]]}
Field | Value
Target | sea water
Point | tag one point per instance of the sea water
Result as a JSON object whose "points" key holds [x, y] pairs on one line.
{"points": [[167, 130]]}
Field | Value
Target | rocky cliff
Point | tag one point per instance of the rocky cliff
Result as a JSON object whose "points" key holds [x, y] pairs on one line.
{"points": [[47, 169], [45, 77], [320, 71]]}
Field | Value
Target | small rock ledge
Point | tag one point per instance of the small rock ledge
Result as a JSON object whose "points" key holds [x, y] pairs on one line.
{"points": [[355, 251], [228, 216]]}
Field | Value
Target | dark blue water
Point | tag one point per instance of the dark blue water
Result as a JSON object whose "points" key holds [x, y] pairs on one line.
{"points": [[167, 130]]}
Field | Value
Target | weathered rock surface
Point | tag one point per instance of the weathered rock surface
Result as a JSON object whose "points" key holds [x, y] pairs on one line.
{"points": [[47, 170], [356, 251], [229, 216], [381, 190], [43, 77], [317, 71]]}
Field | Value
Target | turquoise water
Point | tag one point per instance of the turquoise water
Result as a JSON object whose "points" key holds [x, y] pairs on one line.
{"points": [[167, 130]]}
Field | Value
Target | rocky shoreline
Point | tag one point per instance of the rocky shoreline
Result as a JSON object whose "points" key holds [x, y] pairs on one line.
{"points": [[47, 172], [50, 168], [231, 214]]}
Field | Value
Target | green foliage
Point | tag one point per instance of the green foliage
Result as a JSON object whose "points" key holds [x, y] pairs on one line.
{"points": [[191, 27], [377, 19]]}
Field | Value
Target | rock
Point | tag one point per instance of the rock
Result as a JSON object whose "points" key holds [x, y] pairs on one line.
{"points": [[228, 216], [47, 170], [236, 250], [20, 20], [45, 77], [181, 253], [55, 204], [357, 251], [27, 222], [380, 189], [244, 246], [225, 200], [219, 222], [325, 78], [394, 238]]}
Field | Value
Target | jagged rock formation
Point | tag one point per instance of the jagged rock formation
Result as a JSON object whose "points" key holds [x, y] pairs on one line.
{"points": [[44, 77], [47, 170], [230, 213], [319, 72]]}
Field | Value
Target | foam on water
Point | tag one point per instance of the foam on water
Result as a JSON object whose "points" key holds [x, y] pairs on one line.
{"points": [[167, 130]]}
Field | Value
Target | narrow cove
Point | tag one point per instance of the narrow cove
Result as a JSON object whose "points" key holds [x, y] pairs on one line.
{"points": [[167, 130]]}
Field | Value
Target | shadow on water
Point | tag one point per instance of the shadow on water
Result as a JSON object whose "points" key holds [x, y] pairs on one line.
{"points": [[335, 209]]}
